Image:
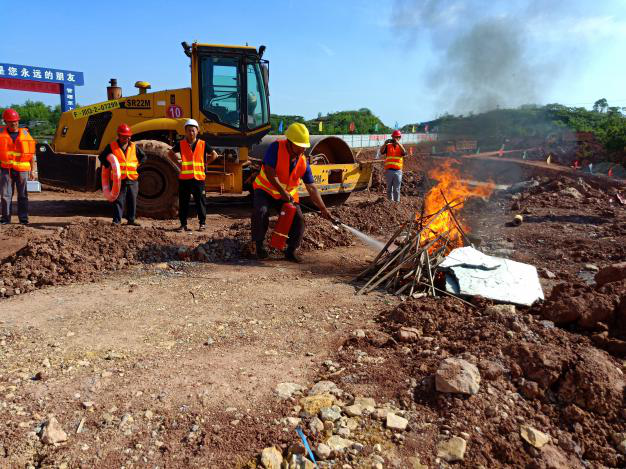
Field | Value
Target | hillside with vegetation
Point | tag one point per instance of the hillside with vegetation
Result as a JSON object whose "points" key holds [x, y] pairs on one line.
{"points": [[537, 124], [363, 120]]}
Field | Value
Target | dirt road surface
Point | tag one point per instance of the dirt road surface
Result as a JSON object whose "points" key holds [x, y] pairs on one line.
{"points": [[142, 355]]}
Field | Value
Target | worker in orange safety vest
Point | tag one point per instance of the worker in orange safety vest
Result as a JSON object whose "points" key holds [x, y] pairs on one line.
{"points": [[194, 154], [395, 153], [17, 149], [130, 157], [284, 166]]}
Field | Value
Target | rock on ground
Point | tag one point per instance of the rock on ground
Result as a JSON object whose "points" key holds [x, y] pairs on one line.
{"points": [[53, 432], [367, 404], [271, 458], [323, 387], [456, 375], [452, 450], [313, 404], [353, 410], [330, 414], [533, 436], [338, 444], [554, 458], [287, 390], [322, 451], [395, 422], [611, 273]]}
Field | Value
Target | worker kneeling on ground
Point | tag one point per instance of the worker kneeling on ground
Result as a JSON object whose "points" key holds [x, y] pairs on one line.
{"points": [[17, 149], [284, 165], [194, 153], [395, 153], [130, 157]]}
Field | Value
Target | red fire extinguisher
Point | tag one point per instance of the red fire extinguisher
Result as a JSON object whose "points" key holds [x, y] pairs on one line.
{"points": [[283, 225]]}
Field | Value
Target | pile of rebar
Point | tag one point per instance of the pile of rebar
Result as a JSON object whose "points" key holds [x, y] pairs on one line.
{"points": [[407, 265]]}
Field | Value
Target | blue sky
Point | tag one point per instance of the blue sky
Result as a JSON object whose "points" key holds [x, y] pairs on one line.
{"points": [[394, 57]]}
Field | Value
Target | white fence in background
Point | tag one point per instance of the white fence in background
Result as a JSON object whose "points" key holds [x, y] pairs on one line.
{"points": [[375, 140]]}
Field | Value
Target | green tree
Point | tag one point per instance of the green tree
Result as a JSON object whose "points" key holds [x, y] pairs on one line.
{"points": [[39, 117], [600, 105]]}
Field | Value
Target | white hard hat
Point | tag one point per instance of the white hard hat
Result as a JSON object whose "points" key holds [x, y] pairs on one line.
{"points": [[192, 122]]}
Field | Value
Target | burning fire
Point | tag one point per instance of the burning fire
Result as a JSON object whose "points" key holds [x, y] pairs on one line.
{"points": [[452, 189]]}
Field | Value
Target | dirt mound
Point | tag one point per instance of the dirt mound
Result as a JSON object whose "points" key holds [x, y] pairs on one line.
{"points": [[223, 246], [377, 216], [532, 374], [320, 234], [599, 311], [80, 253], [565, 192], [583, 305], [593, 383], [582, 376]]}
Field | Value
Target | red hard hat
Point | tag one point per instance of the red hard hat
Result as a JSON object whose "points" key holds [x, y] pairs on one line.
{"points": [[10, 115], [124, 130], [396, 133]]}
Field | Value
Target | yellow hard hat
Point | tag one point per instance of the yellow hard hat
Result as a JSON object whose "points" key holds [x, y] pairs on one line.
{"points": [[298, 134]]}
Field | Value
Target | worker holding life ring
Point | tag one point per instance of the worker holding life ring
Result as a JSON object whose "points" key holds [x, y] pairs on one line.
{"points": [[111, 179], [284, 166], [129, 157]]}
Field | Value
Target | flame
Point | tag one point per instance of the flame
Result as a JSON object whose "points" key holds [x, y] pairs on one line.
{"points": [[456, 192]]}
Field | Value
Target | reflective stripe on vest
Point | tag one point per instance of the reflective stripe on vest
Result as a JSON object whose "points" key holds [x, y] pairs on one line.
{"points": [[192, 166], [16, 155], [394, 157], [288, 181], [128, 161]]}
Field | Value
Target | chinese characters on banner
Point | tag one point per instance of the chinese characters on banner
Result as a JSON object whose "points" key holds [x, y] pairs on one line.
{"points": [[67, 80], [70, 102]]}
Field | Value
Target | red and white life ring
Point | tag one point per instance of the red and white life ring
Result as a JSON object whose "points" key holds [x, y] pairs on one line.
{"points": [[111, 179]]}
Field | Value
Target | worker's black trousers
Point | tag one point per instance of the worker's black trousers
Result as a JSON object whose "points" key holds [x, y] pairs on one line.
{"points": [[128, 199], [263, 203], [187, 188]]}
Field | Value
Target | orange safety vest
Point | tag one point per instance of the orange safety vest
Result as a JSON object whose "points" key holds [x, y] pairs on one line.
{"points": [[16, 155], [289, 181], [128, 161], [394, 157], [192, 166]]}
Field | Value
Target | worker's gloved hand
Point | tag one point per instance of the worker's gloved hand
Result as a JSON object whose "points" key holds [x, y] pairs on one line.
{"points": [[289, 199]]}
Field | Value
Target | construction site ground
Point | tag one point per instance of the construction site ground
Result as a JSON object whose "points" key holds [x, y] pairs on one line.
{"points": [[154, 348]]}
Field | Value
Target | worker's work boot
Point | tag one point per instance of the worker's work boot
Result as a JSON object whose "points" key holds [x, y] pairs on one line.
{"points": [[291, 256], [133, 223], [261, 252], [183, 228], [202, 227]]}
